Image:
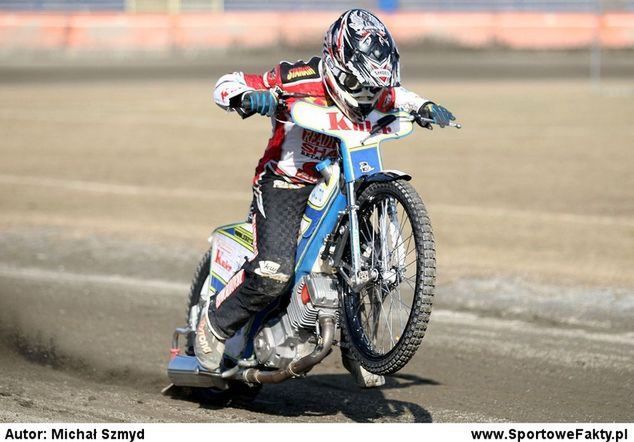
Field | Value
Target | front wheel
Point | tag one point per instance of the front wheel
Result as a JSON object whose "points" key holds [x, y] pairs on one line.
{"points": [[384, 322]]}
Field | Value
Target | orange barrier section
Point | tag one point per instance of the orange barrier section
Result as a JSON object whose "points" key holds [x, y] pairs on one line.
{"points": [[125, 32]]}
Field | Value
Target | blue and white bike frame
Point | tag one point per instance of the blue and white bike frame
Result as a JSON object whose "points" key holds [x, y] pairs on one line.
{"points": [[331, 199], [360, 156]]}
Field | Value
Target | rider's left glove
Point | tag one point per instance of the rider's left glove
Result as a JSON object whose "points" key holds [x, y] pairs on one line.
{"points": [[440, 114], [262, 102]]}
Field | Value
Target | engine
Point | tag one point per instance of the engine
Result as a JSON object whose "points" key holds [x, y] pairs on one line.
{"points": [[292, 335], [314, 293]]}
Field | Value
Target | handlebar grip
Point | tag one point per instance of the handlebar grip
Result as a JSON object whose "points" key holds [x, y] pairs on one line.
{"points": [[245, 103], [422, 122], [427, 122]]}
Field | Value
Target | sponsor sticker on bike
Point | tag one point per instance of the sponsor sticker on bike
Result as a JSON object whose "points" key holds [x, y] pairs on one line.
{"points": [[228, 257]]}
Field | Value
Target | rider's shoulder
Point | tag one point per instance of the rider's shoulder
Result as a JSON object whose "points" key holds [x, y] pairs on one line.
{"points": [[300, 70]]}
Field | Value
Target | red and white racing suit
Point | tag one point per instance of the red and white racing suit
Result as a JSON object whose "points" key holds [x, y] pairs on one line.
{"points": [[284, 178]]}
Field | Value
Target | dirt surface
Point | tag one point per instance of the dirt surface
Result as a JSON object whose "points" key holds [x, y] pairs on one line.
{"points": [[108, 191]]}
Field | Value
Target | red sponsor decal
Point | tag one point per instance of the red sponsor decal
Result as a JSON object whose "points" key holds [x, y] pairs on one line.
{"points": [[337, 124], [231, 287], [223, 95], [364, 126], [341, 124], [318, 146], [222, 262]]}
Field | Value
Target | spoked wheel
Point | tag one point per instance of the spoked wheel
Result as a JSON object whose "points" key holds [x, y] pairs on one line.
{"points": [[386, 320], [237, 390], [200, 281]]}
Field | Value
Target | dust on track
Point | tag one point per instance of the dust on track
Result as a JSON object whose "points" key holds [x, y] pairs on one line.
{"points": [[84, 348]]}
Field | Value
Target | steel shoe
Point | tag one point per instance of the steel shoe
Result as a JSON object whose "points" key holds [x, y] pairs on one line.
{"points": [[208, 347], [362, 377]]}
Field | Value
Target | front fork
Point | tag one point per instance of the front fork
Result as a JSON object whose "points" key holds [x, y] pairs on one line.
{"points": [[358, 277], [355, 247]]}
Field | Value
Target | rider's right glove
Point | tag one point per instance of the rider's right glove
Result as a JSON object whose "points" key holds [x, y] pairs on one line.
{"points": [[262, 102], [439, 114]]}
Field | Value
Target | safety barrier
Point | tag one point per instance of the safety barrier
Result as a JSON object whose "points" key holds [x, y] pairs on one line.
{"points": [[315, 5], [186, 31]]}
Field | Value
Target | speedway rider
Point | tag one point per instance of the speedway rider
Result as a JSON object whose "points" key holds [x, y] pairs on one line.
{"points": [[358, 72]]}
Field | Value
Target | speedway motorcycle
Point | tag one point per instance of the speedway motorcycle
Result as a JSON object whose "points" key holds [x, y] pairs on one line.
{"points": [[364, 275]]}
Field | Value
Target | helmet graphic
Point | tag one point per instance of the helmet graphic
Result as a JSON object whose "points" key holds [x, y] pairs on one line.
{"points": [[359, 60]]}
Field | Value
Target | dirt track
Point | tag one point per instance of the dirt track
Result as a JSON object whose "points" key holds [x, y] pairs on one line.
{"points": [[108, 191]]}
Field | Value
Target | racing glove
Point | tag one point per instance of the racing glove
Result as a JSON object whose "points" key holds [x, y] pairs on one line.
{"points": [[432, 111], [261, 102]]}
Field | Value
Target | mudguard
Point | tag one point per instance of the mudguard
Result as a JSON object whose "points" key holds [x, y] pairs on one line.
{"points": [[383, 176]]}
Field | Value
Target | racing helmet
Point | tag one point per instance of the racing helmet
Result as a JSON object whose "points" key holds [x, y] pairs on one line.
{"points": [[359, 61]]}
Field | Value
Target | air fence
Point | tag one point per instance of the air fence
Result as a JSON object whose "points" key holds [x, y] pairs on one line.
{"points": [[190, 25], [314, 5]]}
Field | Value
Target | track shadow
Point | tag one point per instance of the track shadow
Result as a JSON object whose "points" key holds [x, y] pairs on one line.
{"points": [[326, 395], [40, 349]]}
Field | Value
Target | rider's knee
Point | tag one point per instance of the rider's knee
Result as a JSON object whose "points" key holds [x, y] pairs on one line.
{"points": [[273, 287], [271, 278]]}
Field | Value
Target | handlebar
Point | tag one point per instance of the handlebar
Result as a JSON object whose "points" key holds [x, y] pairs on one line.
{"points": [[423, 122], [282, 96]]}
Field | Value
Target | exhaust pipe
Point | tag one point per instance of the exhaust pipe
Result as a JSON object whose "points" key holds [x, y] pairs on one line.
{"points": [[296, 368]]}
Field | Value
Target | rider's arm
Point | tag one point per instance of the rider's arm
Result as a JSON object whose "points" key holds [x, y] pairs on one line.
{"points": [[401, 98], [230, 87], [408, 101]]}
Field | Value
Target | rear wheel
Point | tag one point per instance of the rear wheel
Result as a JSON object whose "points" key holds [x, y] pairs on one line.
{"points": [[384, 322], [194, 305], [236, 390]]}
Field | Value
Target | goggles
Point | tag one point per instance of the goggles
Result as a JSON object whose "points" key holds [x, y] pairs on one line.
{"points": [[350, 82]]}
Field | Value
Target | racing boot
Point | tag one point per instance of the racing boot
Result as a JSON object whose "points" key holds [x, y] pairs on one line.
{"points": [[362, 377], [208, 346]]}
